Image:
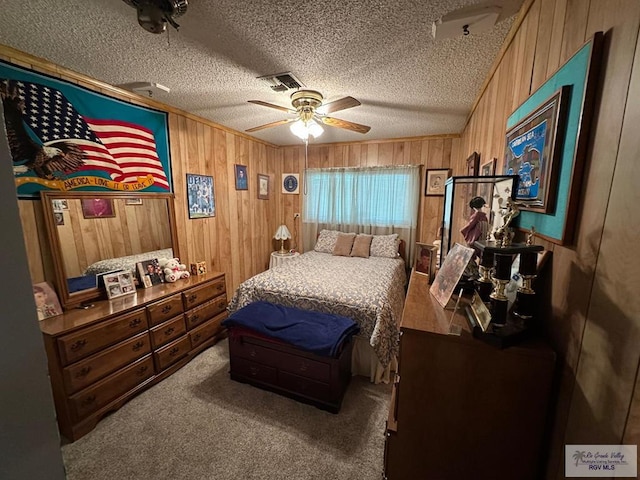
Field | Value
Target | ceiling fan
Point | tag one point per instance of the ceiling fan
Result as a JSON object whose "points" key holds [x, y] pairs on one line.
{"points": [[310, 112], [153, 15]]}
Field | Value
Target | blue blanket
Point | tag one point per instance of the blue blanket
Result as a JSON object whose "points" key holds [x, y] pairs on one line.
{"points": [[319, 333]]}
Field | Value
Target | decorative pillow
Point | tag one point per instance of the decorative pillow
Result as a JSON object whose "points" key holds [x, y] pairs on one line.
{"points": [[384, 246], [344, 244], [361, 246], [326, 241]]}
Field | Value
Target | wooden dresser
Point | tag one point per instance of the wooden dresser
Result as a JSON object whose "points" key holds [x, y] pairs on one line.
{"points": [[461, 408], [102, 356]]}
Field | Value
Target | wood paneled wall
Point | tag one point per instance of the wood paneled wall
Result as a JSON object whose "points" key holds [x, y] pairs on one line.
{"points": [[238, 240], [430, 152], [593, 317]]}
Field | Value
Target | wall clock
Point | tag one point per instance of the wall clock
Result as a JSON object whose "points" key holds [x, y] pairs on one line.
{"points": [[290, 183]]}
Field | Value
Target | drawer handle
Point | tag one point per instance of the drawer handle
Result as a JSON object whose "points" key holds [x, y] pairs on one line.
{"points": [[195, 318], [222, 304], [138, 345], [135, 322], [79, 345], [166, 308], [304, 367], [196, 337], [174, 351], [254, 371], [192, 298], [88, 400], [83, 372], [141, 371], [253, 353], [169, 331], [219, 287]]}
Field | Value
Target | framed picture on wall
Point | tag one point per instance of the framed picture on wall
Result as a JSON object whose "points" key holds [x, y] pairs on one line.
{"points": [[263, 186], [97, 208], [473, 164], [133, 201], [488, 169], [242, 182], [200, 196], [434, 181], [290, 183]]}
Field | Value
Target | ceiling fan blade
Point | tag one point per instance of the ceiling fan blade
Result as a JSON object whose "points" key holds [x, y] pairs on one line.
{"points": [[337, 105], [271, 105], [272, 124], [336, 122]]}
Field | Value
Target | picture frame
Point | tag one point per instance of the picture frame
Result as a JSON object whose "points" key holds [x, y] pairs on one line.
{"points": [[47, 303], [580, 73], [60, 204], [242, 181], [434, 181], [150, 273], [119, 284], [59, 218], [488, 169], [290, 183], [532, 152], [425, 263], [133, 201], [263, 186], [201, 202], [473, 164], [97, 208], [449, 273]]}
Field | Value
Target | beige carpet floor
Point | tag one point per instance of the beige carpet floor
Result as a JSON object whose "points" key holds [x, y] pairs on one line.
{"points": [[199, 424]]}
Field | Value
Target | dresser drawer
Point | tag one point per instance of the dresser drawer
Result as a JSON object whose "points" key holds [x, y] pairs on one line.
{"points": [[171, 353], [168, 331], [304, 386], [81, 344], [207, 330], [197, 295], [305, 367], [204, 312], [254, 371], [89, 370], [255, 353], [100, 394], [165, 309]]}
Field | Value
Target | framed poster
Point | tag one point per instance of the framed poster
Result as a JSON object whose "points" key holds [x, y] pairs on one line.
{"points": [[242, 182], [434, 181], [97, 208], [533, 150], [200, 197], [290, 183], [263, 186], [580, 73]]}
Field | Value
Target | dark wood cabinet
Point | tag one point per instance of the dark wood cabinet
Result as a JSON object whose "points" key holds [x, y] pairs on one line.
{"points": [[461, 408], [102, 356]]}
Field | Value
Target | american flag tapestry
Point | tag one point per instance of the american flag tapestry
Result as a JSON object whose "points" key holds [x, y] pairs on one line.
{"points": [[66, 137]]}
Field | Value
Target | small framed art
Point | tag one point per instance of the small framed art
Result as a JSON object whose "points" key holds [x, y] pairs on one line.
{"points": [[473, 164], [119, 284], [97, 208], [434, 182], [150, 273], [47, 304], [488, 169], [263, 186], [242, 182], [200, 196], [290, 183], [133, 201], [426, 260], [59, 218]]}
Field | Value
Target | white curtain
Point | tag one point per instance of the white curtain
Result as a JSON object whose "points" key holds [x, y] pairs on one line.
{"points": [[372, 200]]}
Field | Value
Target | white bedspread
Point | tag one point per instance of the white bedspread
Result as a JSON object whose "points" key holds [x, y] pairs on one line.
{"points": [[368, 290]]}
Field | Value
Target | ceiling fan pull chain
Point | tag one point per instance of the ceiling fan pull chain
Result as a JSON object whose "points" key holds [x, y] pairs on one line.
{"points": [[306, 155]]}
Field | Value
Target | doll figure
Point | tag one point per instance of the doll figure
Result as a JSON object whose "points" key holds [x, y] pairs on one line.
{"points": [[478, 224]]}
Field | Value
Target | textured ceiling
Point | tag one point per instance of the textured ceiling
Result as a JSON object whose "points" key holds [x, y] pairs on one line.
{"points": [[380, 52]]}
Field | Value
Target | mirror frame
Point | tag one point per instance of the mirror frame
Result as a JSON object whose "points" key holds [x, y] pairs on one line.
{"points": [[77, 298]]}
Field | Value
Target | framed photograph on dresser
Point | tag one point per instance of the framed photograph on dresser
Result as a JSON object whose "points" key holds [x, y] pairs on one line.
{"points": [[425, 260], [119, 284]]}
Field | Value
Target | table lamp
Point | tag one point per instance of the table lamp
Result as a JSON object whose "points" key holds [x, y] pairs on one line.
{"points": [[282, 234]]}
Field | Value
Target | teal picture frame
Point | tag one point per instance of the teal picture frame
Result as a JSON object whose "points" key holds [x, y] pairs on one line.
{"points": [[580, 74]]}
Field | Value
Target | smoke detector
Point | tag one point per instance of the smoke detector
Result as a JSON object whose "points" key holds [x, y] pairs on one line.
{"points": [[462, 22]]}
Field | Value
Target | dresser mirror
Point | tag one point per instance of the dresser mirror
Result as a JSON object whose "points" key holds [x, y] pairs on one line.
{"points": [[94, 232]]}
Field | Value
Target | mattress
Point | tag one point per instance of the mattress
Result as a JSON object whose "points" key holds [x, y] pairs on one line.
{"points": [[126, 263]]}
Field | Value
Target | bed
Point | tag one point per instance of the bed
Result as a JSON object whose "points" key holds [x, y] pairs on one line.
{"points": [[368, 290], [126, 263]]}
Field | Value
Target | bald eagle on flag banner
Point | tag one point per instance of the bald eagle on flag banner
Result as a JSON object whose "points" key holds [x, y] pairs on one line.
{"points": [[65, 137]]}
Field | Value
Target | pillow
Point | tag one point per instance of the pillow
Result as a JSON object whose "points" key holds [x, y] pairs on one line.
{"points": [[326, 241], [384, 246], [361, 246], [344, 244]]}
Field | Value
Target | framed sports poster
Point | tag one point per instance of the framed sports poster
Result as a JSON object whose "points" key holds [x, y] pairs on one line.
{"points": [[200, 197]]}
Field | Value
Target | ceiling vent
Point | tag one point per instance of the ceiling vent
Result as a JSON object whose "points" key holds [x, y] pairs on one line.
{"points": [[281, 82], [149, 88]]}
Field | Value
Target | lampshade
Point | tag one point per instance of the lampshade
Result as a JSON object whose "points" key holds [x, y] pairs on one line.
{"points": [[303, 129], [282, 234]]}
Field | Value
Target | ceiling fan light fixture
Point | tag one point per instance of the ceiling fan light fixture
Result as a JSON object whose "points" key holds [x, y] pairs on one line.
{"points": [[302, 129]]}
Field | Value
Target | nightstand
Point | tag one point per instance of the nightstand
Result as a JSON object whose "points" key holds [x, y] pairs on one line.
{"points": [[279, 258]]}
